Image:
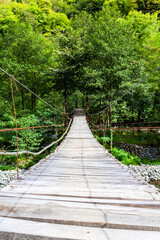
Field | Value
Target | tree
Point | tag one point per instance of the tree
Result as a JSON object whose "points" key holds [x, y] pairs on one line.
{"points": [[89, 5], [27, 58], [148, 6], [124, 6]]}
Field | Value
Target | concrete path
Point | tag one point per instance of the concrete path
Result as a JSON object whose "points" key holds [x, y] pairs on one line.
{"points": [[79, 193]]}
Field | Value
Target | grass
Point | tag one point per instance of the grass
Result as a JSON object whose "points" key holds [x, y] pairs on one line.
{"points": [[128, 158], [139, 138], [144, 138], [150, 161], [125, 157], [9, 162]]}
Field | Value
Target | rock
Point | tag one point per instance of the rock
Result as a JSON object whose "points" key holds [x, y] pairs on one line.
{"points": [[148, 173], [140, 151], [7, 176]]}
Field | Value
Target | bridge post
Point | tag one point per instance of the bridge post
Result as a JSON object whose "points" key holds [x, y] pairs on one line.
{"points": [[97, 125], [56, 123], [104, 132], [62, 124], [14, 108], [111, 134]]}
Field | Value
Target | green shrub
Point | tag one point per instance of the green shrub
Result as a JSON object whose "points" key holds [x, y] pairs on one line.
{"points": [[125, 157], [25, 162], [104, 140], [96, 137], [128, 162], [28, 139], [137, 160], [151, 161], [6, 167]]}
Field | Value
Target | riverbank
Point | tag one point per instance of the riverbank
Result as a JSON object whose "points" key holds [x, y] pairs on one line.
{"points": [[148, 173], [7, 176], [140, 151]]}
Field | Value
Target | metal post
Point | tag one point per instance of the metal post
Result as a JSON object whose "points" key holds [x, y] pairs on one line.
{"points": [[15, 123], [111, 132], [97, 126], [93, 127], [56, 123], [103, 130], [62, 124], [67, 118]]}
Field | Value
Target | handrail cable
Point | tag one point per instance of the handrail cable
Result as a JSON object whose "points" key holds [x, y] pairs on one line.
{"points": [[34, 93], [99, 127], [41, 151], [123, 124], [26, 128]]}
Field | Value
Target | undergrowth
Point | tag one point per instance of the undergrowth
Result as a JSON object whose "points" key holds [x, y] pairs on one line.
{"points": [[25, 161], [149, 138], [125, 157], [128, 158]]}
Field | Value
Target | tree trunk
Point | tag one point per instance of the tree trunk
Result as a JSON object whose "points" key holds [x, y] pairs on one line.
{"points": [[110, 114], [100, 107], [34, 103], [100, 103], [65, 101], [87, 103], [154, 103], [22, 99], [76, 103], [32, 95], [139, 115], [107, 118], [83, 102], [132, 115]]}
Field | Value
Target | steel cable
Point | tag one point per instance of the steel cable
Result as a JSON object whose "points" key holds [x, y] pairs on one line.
{"points": [[41, 151], [34, 93]]}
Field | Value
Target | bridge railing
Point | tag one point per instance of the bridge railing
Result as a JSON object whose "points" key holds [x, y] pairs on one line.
{"points": [[62, 120], [99, 126]]}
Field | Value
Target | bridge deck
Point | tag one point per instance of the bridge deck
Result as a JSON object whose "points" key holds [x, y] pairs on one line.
{"points": [[79, 192]]}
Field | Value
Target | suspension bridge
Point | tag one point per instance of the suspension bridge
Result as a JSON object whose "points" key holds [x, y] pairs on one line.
{"points": [[79, 192]]}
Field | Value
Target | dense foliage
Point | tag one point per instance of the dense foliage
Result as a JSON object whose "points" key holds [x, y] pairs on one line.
{"points": [[127, 158], [82, 53]]}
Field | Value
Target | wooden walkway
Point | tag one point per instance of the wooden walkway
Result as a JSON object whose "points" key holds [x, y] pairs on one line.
{"points": [[79, 193]]}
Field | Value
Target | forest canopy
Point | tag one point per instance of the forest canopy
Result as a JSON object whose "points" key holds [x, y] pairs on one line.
{"points": [[90, 52]]}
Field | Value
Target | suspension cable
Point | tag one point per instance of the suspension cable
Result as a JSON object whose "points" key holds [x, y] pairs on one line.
{"points": [[33, 93]]}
